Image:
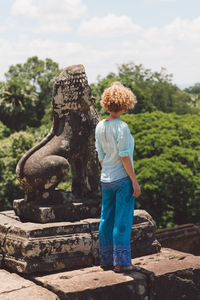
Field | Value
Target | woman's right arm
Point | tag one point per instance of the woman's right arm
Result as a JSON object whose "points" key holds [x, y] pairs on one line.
{"points": [[123, 145], [126, 161]]}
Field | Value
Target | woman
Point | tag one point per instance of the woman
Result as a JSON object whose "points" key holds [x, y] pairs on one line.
{"points": [[115, 146]]}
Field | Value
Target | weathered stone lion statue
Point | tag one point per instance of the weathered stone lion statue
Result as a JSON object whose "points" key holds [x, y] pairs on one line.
{"points": [[71, 141]]}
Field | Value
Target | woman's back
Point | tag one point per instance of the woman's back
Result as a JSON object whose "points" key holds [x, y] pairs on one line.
{"points": [[113, 140]]}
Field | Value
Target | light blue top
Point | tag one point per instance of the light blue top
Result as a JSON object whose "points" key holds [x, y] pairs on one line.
{"points": [[113, 140]]}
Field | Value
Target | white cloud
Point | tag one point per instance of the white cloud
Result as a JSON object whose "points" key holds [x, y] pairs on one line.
{"points": [[108, 26], [52, 15], [175, 46], [24, 8], [184, 30], [7, 25], [65, 53]]}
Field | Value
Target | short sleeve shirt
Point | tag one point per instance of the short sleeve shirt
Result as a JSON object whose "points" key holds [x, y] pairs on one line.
{"points": [[113, 140]]}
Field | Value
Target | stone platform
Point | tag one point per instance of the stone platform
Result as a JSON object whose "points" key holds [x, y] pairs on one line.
{"points": [[28, 247], [15, 287], [166, 275]]}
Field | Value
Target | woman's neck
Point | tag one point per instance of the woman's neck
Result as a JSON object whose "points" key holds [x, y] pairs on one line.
{"points": [[113, 116]]}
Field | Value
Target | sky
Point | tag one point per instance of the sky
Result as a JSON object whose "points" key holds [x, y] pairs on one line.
{"points": [[104, 34]]}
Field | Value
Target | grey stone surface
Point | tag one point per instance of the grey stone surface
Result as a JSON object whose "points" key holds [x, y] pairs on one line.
{"points": [[172, 274], [31, 247], [15, 287], [169, 274], [35, 247], [185, 237], [46, 211], [1, 258], [95, 284]]}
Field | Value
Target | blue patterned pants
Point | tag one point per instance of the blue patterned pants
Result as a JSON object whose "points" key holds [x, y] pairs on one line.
{"points": [[117, 215]]}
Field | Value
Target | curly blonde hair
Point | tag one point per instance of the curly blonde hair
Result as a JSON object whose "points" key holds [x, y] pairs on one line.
{"points": [[117, 97]]}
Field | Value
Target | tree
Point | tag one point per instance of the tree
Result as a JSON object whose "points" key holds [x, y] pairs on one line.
{"points": [[4, 131], [18, 102], [195, 89], [194, 92], [38, 74], [167, 164], [153, 90], [11, 150]]}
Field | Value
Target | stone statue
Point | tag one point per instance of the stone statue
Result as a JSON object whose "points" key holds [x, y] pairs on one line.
{"points": [[71, 142]]}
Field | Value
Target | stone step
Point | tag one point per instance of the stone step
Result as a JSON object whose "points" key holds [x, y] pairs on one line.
{"points": [[15, 287], [169, 274]]}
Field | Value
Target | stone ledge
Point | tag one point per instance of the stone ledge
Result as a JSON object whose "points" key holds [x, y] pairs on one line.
{"points": [[13, 286], [185, 237], [94, 284], [169, 274], [35, 247]]}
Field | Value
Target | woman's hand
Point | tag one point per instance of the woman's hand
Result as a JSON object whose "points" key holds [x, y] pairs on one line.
{"points": [[137, 190]]}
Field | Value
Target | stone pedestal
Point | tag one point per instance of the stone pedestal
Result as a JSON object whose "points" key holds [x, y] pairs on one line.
{"points": [[35, 247], [56, 207]]}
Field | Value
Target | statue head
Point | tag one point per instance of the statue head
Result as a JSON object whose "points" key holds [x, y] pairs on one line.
{"points": [[71, 91]]}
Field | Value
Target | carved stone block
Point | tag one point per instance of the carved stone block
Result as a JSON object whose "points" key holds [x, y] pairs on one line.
{"points": [[66, 208]]}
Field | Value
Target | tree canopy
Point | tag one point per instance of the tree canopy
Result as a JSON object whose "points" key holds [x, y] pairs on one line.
{"points": [[167, 164], [154, 90], [11, 150], [26, 92]]}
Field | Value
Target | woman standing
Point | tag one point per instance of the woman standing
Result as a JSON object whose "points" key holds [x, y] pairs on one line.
{"points": [[115, 146]]}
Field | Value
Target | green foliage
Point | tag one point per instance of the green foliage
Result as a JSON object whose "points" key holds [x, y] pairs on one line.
{"points": [[46, 123], [38, 133], [167, 164], [195, 89], [194, 92], [27, 92], [18, 102], [11, 150], [4, 131], [48, 116], [166, 160], [41, 74], [153, 90], [66, 183]]}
